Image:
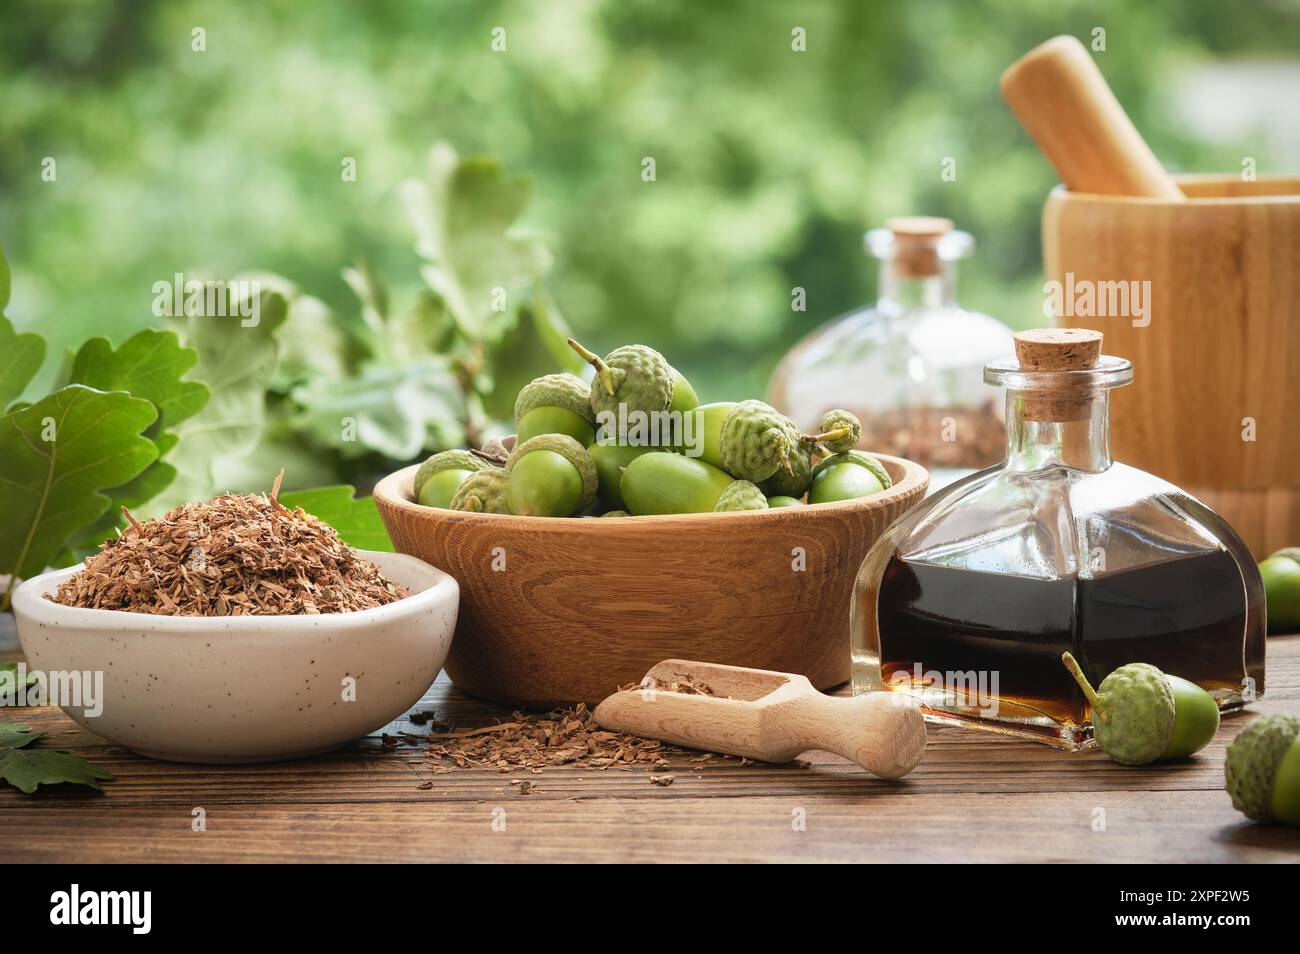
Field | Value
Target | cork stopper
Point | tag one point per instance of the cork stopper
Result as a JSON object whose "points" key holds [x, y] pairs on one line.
{"points": [[1058, 349], [916, 244]]}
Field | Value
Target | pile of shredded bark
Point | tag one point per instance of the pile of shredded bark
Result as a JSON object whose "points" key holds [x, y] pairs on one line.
{"points": [[235, 555], [562, 737]]}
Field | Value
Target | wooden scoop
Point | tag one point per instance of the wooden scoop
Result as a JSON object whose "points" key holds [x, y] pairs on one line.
{"points": [[1065, 104], [769, 716]]}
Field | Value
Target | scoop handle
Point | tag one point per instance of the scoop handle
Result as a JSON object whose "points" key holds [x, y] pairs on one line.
{"points": [[1065, 104], [883, 732]]}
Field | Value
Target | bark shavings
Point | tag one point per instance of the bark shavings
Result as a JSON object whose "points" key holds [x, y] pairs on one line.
{"points": [[684, 684], [235, 555], [568, 737]]}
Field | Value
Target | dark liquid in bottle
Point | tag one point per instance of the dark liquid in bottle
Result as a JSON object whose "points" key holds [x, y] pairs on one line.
{"points": [[1186, 616]]}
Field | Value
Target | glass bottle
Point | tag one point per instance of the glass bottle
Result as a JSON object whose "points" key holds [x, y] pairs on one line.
{"points": [[968, 601], [909, 365]]}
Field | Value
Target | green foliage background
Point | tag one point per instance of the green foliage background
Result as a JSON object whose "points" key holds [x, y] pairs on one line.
{"points": [[770, 163]]}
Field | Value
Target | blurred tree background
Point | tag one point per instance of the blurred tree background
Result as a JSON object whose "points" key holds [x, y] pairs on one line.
{"points": [[770, 162]]}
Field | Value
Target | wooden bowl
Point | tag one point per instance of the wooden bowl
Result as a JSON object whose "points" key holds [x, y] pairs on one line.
{"points": [[557, 611]]}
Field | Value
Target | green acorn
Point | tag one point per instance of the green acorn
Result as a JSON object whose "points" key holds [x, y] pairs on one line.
{"points": [[555, 404], [839, 431], [861, 459], [662, 482], [847, 476], [550, 475], [1281, 576], [1262, 769], [708, 432], [439, 476], [756, 440], [1140, 714], [482, 492], [611, 460], [634, 376], [684, 397], [740, 495]]}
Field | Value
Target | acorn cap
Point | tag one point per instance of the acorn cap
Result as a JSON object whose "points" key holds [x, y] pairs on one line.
{"points": [[570, 450], [556, 390], [1058, 349], [447, 460], [756, 440], [862, 460], [838, 419], [635, 376], [1136, 716], [1252, 762], [482, 492], [795, 481], [740, 495]]}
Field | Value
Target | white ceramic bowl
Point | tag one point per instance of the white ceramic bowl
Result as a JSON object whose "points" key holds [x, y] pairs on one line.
{"points": [[245, 688]]}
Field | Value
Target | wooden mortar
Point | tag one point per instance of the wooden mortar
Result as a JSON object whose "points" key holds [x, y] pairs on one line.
{"points": [[1216, 358], [1194, 279]]}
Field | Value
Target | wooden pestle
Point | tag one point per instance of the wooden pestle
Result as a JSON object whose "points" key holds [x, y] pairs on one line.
{"points": [[1065, 104]]}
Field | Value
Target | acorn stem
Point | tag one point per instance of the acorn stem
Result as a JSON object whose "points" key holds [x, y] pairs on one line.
{"points": [[1093, 699], [834, 434], [602, 369], [493, 459]]}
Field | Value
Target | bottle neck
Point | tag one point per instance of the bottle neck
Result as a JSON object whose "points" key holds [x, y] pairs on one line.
{"points": [[905, 292], [1078, 444]]}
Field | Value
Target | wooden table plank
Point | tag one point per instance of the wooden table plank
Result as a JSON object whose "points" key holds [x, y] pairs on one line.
{"points": [[1178, 827], [977, 797]]}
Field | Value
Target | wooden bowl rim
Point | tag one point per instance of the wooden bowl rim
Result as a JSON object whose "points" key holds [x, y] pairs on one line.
{"points": [[1291, 196], [395, 491]]}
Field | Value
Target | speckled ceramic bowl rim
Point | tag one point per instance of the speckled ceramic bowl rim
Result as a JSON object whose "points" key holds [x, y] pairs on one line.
{"points": [[397, 490], [29, 601]]}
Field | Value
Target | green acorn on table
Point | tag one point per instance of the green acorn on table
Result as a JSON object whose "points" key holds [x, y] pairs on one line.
{"points": [[1281, 574], [1142, 715]]}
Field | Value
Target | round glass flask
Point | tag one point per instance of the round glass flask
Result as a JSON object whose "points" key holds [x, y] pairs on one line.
{"points": [[908, 365]]}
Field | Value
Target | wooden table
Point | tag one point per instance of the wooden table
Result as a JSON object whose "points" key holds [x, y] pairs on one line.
{"points": [[976, 797]]}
